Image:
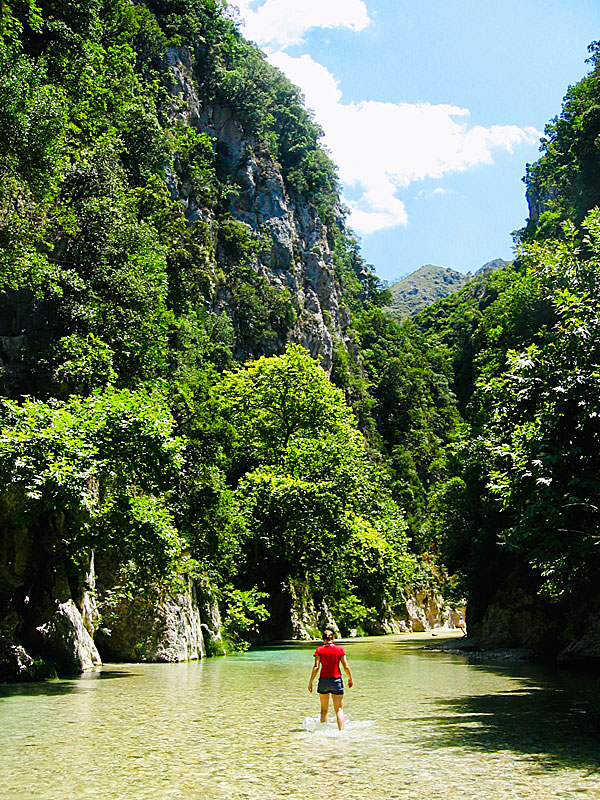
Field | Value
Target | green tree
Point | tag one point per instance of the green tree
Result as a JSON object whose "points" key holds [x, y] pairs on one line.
{"points": [[94, 473], [545, 424], [271, 401], [314, 507]]}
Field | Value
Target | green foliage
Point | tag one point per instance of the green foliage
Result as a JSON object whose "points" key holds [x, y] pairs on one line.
{"points": [[83, 363], [307, 493], [522, 482], [464, 520], [350, 614], [521, 485], [32, 123], [273, 401], [130, 287], [563, 184], [196, 162], [414, 411], [243, 611], [104, 465], [545, 420]]}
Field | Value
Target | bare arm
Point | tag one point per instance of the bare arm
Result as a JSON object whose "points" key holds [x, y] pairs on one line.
{"points": [[313, 674], [344, 661]]}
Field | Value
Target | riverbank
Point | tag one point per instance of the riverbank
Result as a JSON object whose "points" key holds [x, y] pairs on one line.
{"points": [[476, 652], [462, 645]]}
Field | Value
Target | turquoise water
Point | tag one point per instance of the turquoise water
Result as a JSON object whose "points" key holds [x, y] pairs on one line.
{"points": [[421, 724]]}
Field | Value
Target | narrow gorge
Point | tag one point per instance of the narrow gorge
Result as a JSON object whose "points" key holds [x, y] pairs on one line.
{"points": [[219, 428]]}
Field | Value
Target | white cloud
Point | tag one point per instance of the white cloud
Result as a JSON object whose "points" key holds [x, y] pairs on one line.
{"points": [[437, 192], [282, 23], [381, 148]]}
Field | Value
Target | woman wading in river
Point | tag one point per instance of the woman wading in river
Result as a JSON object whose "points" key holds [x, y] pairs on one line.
{"points": [[328, 658]]}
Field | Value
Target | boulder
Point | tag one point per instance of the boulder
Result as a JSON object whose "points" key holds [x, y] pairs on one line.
{"points": [[66, 642]]}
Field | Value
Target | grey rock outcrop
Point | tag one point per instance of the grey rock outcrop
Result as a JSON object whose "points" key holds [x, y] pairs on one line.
{"points": [[303, 613], [66, 641], [325, 619], [586, 645], [518, 616], [539, 202], [421, 610], [155, 625], [295, 254], [210, 617]]}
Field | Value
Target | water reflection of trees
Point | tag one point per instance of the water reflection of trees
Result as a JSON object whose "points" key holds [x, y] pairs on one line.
{"points": [[64, 686], [554, 726]]}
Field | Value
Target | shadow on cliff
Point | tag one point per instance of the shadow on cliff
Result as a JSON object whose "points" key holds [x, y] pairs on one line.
{"points": [[553, 725], [62, 686]]}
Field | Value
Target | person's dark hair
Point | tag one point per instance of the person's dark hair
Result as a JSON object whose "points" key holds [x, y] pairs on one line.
{"points": [[328, 634]]}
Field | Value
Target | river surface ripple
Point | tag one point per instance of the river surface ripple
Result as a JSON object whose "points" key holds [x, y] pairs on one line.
{"points": [[421, 724]]}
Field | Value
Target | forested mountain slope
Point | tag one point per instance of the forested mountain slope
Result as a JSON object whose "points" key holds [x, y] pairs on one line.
{"points": [[430, 283], [423, 287], [167, 213]]}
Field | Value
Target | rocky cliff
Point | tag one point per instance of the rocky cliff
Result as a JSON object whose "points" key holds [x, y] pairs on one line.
{"points": [[517, 616], [294, 252]]}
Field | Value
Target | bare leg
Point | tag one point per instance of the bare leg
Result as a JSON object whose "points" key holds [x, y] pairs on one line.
{"points": [[338, 700], [324, 706]]}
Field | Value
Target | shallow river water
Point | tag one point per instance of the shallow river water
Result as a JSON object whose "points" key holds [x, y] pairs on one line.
{"points": [[421, 724]]}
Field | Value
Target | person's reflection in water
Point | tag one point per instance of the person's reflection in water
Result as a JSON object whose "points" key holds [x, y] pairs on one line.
{"points": [[328, 658]]}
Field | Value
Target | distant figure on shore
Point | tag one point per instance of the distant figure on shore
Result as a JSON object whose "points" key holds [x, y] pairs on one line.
{"points": [[328, 658]]}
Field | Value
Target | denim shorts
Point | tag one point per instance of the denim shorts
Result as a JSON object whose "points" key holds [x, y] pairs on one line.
{"points": [[330, 686]]}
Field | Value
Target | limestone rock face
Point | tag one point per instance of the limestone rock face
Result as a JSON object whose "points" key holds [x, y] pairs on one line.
{"points": [[303, 613], [515, 619], [325, 619], [538, 202], [295, 246], [422, 611], [210, 617], [155, 626], [47, 616], [518, 617], [66, 641]]}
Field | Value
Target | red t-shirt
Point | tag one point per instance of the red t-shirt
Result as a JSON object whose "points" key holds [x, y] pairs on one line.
{"points": [[330, 655]]}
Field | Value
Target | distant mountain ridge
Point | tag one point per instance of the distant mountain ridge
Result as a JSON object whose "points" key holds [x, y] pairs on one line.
{"points": [[430, 283]]}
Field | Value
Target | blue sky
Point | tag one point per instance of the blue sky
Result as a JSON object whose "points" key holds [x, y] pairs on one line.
{"points": [[431, 109]]}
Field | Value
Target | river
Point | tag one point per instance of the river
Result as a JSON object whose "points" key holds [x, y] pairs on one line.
{"points": [[421, 724]]}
